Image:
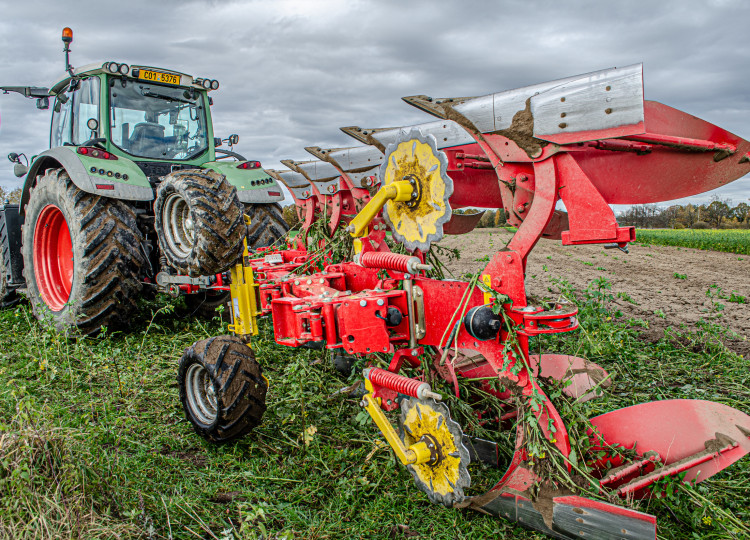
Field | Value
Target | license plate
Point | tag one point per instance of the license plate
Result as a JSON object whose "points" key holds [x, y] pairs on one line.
{"points": [[159, 77]]}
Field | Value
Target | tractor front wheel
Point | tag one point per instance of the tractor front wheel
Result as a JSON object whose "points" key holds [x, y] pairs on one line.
{"points": [[222, 388], [82, 256]]}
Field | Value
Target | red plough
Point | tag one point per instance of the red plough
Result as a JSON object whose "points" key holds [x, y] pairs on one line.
{"points": [[588, 141]]}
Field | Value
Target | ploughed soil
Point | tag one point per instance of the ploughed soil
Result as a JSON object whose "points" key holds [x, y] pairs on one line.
{"points": [[645, 278]]}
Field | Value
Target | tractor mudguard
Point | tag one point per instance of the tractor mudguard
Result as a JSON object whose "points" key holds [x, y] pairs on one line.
{"points": [[102, 182], [253, 185]]}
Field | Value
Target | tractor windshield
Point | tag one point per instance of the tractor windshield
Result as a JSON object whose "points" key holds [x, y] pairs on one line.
{"points": [[157, 122]]}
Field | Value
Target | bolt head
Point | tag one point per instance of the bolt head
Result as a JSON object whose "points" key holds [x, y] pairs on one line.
{"points": [[296, 282], [309, 281], [363, 303], [380, 302]]}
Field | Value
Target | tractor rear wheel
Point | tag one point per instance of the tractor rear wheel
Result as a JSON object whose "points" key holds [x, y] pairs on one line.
{"points": [[199, 222], [266, 227], [222, 388], [82, 256]]}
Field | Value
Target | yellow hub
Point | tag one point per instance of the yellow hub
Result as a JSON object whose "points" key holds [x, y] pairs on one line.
{"points": [[417, 222], [445, 475]]}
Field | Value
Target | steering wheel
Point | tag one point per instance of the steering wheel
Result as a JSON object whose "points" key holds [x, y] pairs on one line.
{"points": [[99, 141], [228, 154]]}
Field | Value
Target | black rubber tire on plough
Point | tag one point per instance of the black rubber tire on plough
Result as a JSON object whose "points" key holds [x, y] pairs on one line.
{"points": [[105, 247], [222, 389], [199, 222]]}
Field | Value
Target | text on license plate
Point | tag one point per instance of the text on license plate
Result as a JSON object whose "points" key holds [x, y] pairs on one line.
{"points": [[157, 76]]}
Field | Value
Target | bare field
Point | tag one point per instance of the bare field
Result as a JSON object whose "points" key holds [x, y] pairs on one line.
{"points": [[646, 276]]}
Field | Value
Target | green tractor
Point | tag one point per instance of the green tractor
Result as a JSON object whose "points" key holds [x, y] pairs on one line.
{"points": [[133, 192]]}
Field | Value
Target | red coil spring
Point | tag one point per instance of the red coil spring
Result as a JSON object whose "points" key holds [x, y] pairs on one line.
{"points": [[397, 383], [380, 259]]}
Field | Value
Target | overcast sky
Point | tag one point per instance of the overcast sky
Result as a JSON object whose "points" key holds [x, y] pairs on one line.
{"points": [[292, 72]]}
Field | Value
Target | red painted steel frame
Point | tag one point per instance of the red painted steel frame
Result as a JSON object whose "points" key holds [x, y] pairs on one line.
{"points": [[347, 306]]}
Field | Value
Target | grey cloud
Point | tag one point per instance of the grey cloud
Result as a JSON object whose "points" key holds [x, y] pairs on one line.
{"points": [[293, 72]]}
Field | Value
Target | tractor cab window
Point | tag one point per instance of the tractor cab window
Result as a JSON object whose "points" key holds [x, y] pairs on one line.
{"points": [[157, 122], [73, 109]]}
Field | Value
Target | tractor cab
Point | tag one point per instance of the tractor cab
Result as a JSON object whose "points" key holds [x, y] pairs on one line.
{"points": [[140, 113]]}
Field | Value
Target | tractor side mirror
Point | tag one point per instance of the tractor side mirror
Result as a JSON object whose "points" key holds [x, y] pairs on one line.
{"points": [[217, 142], [234, 139], [42, 103], [20, 170]]}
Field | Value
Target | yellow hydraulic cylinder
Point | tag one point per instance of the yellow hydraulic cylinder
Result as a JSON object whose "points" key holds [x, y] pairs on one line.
{"points": [[244, 309], [415, 454], [400, 191]]}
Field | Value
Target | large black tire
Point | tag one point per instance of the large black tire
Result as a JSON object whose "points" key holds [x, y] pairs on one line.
{"points": [[199, 222], [222, 389], [8, 297], [106, 249], [267, 225]]}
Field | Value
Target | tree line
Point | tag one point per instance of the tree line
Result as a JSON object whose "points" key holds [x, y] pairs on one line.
{"points": [[719, 213]]}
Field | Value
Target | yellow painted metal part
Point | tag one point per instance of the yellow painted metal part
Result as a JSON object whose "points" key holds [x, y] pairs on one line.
{"points": [[443, 475], [415, 453], [244, 305], [395, 191], [487, 282], [416, 159]]}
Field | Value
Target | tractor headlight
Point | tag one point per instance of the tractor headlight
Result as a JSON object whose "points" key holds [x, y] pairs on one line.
{"points": [[124, 69], [113, 67], [206, 84], [214, 85]]}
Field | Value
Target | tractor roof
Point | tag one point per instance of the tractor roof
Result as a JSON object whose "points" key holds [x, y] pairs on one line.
{"points": [[97, 68]]}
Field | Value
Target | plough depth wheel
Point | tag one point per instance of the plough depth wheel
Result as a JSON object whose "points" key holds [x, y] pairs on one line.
{"points": [[222, 388], [446, 475]]}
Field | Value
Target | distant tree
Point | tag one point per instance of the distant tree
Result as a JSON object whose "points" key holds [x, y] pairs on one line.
{"points": [[488, 219], [500, 218], [717, 211], [13, 196], [741, 212], [289, 213]]}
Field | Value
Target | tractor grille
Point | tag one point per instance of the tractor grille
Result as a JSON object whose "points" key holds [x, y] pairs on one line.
{"points": [[156, 170]]}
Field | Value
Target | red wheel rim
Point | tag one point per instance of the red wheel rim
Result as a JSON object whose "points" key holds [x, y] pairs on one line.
{"points": [[53, 257]]}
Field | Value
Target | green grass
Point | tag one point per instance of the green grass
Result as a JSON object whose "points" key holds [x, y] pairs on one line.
{"points": [[93, 442], [729, 240]]}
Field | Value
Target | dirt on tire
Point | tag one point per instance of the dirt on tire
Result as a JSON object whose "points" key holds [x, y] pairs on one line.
{"points": [[663, 285], [216, 222], [107, 254], [267, 225], [238, 384]]}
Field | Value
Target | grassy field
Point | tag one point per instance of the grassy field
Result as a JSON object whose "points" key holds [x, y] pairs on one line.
{"points": [[93, 442], [728, 240]]}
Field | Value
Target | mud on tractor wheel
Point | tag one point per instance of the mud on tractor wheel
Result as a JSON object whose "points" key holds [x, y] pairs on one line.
{"points": [[222, 388], [199, 222], [267, 226], [82, 256]]}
